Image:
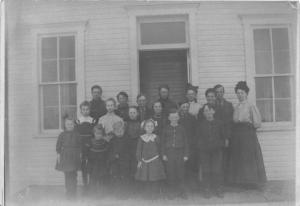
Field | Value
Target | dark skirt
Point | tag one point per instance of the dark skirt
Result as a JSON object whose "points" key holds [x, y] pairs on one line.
{"points": [[69, 160], [152, 171], [246, 165]]}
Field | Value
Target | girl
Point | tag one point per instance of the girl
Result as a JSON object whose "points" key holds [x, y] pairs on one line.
{"points": [[150, 168], [246, 165], [191, 95], [68, 148]]}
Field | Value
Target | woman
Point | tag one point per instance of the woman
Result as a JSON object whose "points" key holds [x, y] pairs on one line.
{"points": [[246, 165], [191, 95]]}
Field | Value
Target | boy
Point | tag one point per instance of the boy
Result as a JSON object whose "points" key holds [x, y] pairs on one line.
{"points": [[97, 105], [210, 145], [84, 126], [175, 153], [97, 164]]}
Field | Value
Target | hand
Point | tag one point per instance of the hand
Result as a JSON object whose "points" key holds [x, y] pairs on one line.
{"points": [[139, 165], [165, 158], [117, 156], [185, 159], [226, 142]]}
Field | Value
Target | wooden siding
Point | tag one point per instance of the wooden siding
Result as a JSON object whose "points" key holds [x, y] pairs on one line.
{"points": [[221, 59]]}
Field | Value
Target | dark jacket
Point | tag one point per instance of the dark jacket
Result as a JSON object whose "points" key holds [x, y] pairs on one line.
{"points": [[210, 135], [122, 111], [167, 105], [161, 122], [132, 129], [97, 109], [225, 113], [174, 137], [144, 113], [188, 122]]}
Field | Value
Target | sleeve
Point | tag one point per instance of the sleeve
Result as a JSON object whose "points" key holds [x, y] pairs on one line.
{"points": [[163, 142], [59, 143], [198, 136], [186, 144], [255, 116], [230, 120], [139, 150]]}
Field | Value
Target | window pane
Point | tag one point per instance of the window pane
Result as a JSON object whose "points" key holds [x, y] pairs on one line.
{"points": [[266, 110], [51, 118], [50, 95], [282, 87], [282, 62], [163, 33], [283, 110], [49, 71], [67, 70], [67, 47], [262, 39], [68, 94], [280, 38], [49, 48], [263, 87], [263, 62]]}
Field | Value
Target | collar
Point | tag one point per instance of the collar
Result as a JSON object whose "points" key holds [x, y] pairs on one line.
{"points": [[148, 137], [88, 119]]}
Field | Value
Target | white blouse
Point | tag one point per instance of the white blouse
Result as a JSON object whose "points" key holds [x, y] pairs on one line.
{"points": [[194, 108], [108, 121], [247, 112]]}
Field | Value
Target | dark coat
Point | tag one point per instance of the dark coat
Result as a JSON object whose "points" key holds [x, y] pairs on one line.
{"points": [[132, 129], [167, 105], [144, 113], [225, 114], [122, 111], [97, 109], [85, 129], [161, 122], [188, 122]]}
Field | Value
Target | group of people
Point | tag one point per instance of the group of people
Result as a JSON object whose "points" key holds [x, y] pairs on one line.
{"points": [[136, 148]]}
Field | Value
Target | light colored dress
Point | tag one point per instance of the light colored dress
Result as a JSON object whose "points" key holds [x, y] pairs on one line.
{"points": [[247, 112]]}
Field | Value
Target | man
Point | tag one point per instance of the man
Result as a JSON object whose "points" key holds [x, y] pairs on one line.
{"points": [[98, 108], [225, 113], [144, 111], [167, 104]]}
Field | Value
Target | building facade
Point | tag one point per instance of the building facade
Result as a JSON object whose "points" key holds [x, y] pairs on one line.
{"points": [[58, 49]]}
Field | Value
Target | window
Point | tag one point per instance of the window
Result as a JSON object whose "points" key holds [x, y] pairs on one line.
{"points": [[273, 76], [58, 86]]}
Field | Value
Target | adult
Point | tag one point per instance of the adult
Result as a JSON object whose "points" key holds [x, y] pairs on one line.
{"points": [[210, 96], [97, 105], [144, 111], [191, 95], [225, 111], [123, 107], [246, 165], [166, 102]]}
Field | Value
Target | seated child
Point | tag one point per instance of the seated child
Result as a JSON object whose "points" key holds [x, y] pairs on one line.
{"points": [[84, 126], [97, 158], [175, 153], [210, 145], [150, 168], [68, 148]]}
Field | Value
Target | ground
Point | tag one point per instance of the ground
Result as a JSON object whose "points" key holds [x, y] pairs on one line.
{"points": [[276, 193]]}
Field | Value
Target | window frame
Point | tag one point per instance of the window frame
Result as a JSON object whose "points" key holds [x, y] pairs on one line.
{"points": [[76, 29], [251, 22]]}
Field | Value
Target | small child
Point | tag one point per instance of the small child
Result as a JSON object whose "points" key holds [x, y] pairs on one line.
{"points": [[210, 145], [150, 168], [97, 161], [84, 126], [123, 107], [68, 148], [132, 131], [175, 153]]}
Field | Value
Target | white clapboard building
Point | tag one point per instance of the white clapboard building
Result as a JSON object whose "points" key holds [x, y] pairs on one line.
{"points": [[57, 50]]}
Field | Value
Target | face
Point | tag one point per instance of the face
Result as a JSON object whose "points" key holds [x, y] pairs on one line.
{"points": [[96, 93], [211, 98], [141, 101], [69, 125], [241, 95], [208, 112], [164, 93], [185, 108], [173, 117], [220, 92], [149, 127], [157, 108], [191, 95], [85, 111], [122, 99], [98, 133], [110, 106], [133, 113]]}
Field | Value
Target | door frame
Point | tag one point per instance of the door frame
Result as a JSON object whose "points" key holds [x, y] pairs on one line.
{"points": [[165, 9]]}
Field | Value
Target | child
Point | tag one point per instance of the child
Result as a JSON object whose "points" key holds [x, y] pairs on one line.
{"points": [[68, 148], [97, 164], [150, 168], [188, 122], [122, 109], [175, 153], [132, 132], [211, 143], [110, 117], [84, 126]]}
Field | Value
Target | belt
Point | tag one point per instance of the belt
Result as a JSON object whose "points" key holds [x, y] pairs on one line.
{"points": [[151, 159]]}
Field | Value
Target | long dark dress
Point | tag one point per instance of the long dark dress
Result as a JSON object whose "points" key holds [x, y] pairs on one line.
{"points": [[246, 163]]}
